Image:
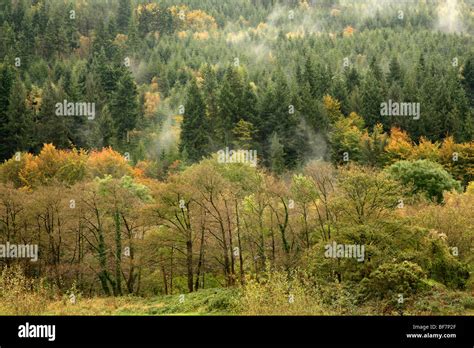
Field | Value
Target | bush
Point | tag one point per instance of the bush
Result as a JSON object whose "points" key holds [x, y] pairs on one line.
{"points": [[445, 268], [391, 279], [20, 295], [280, 294], [425, 176]]}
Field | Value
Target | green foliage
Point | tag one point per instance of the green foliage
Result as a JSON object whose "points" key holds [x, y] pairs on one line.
{"points": [[425, 177], [141, 175], [194, 133], [391, 279], [445, 268]]}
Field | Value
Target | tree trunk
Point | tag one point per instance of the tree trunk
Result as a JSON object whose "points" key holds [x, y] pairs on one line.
{"points": [[118, 254], [241, 260]]}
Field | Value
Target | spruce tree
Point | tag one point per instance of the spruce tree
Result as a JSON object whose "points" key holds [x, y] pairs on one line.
{"points": [[7, 78], [468, 79], [124, 15], [194, 139], [19, 119], [124, 107]]}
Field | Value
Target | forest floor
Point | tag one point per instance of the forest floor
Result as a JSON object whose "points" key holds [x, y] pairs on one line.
{"points": [[204, 302], [219, 301]]}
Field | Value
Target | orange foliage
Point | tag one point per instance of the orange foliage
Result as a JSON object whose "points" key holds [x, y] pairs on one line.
{"points": [[201, 35], [200, 21], [67, 166], [196, 20], [108, 161], [182, 34], [348, 31], [399, 146]]}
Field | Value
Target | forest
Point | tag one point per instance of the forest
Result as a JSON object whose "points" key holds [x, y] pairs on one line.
{"points": [[249, 157]]}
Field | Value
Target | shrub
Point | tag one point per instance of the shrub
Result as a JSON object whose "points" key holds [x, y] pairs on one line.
{"points": [[20, 295], [391, 279], [279, 294], [445, 268], [425, 176]]}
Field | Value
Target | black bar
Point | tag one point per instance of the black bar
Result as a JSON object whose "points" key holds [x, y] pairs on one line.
{"points": [[242, 331]]}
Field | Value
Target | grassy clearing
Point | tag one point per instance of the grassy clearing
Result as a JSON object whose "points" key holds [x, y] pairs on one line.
{"points": [[203, 302]]}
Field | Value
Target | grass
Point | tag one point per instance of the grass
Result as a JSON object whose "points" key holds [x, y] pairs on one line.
{"points": [[203, 302]]}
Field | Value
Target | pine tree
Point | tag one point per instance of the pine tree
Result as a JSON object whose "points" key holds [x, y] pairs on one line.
{"points": [[194, 139], [372, 97], [278, 114], [243, 133], [19, 119], [124, 107], [7, 78], [236, 102], [277, 154], [395, 72], [52, 128], [124, 15], [338, 90], [352, 79], [468, 79], [106, 127], [209, 86], [318, 78]]}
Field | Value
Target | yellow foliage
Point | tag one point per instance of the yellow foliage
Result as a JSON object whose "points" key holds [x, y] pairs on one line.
{"points": [[304, 5], [151, 7], [295, 34], [152, 100], [470, 188], [400, 146], [154, 84], [182, 34], [260, 28], [333, 108], [176, 10], [108, 161], [427, 150], [67, 166], [203, 35], [348, 31], [199, 20], [236, 37], [34, 98]]}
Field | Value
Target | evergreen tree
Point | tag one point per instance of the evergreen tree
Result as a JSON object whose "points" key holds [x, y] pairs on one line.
{"points": [[277, 154], [395, 71], [124, 106], [19, 119], [372, 97], [124, 15], [236, 102], [352, 79], [7, 78], [209, 87], [468, 79], [50, 127], [194, 140], [243, 133]]}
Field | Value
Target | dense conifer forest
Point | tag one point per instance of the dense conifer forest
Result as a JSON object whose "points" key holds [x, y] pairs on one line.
{"points": [[258, 157]]}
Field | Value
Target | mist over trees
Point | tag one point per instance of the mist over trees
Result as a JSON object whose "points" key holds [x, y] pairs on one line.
{"points": [[360, 115]]}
